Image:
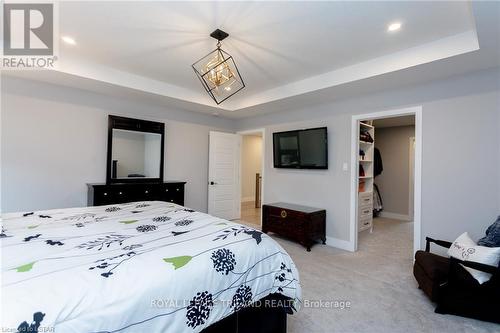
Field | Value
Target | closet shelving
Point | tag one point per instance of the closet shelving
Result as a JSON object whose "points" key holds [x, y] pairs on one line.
{"points": [[365, 177]]}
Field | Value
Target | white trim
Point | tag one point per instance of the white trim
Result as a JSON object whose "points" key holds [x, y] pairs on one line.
{"points": [[247, 199], [339, 243], [443, 48], [353, 227], [394, 216], [263, 163], [411, 178]]}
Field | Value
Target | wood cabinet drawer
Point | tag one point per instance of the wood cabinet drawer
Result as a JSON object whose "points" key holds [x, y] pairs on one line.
{"points": [[103, 197], [172, 193], [101, 194], [108, 196], [364, 211], [365, 199], [365, 222]]}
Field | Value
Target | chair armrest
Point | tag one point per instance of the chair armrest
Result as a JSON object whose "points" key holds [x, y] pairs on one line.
{"points": [[442, 243], [476, 265]]}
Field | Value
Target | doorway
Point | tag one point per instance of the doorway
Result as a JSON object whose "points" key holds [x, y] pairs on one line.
{"points": [[364, 173], [252, 156]]}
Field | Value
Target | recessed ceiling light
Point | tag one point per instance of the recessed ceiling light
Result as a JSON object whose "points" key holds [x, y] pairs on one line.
{"points": [[68, 40], [394, 26]]}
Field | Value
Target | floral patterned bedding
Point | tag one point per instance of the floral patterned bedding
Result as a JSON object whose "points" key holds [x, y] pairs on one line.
{"points": [[136, 267]]}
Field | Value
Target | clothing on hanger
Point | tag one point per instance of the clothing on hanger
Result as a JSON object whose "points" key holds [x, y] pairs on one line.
{"points": [[378, 167], [378, 205]]}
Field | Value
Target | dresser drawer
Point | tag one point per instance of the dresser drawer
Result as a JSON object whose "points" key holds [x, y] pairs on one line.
{"points": [[146, 193], [102, 197], [364, 211], [109, 196], [365, 199], [365, 223], [101, 194], [172, 193]]}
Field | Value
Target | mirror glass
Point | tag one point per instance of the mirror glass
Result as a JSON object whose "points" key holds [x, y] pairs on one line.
{"points": [[135, 154]]}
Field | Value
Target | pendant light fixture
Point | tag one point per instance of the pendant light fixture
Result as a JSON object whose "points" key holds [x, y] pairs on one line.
{"points": [[218, 73]]}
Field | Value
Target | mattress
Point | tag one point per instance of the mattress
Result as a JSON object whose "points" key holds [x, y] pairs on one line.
{"points": [[136, 267]]}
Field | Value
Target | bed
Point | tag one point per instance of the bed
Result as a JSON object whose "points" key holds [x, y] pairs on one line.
{"points": [[137, 267]]}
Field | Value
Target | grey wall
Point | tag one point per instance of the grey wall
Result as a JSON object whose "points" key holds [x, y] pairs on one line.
{"points": [[54, 139], [394, 182], [460, 189]]}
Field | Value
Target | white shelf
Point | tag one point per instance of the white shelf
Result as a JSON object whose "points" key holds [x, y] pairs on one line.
{"points": [[366, 163]]}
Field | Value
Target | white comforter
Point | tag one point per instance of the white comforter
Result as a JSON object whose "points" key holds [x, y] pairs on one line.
{"points": [[137, 267]]}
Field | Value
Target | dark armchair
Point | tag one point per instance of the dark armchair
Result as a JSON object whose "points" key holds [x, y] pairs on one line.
{"points": [[431, 270], [454, 290]]}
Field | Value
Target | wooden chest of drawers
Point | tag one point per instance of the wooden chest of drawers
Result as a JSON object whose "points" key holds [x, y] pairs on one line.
{"points": [[300, 223], [108, 194], [365, 211]]}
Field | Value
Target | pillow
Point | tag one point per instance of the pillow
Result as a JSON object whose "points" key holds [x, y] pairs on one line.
{"points": [[492, 238], [464, 248]]}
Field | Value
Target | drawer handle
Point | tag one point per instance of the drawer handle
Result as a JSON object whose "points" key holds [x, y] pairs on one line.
{"points": [[146, 192], [166, 190], [366, 211], [177, 190], [120, 193], [105, 193], [283, 214], [171, 200]]}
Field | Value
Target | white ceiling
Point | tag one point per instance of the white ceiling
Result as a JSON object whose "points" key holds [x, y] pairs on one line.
{"points": [[284, 50], [274, 43]]}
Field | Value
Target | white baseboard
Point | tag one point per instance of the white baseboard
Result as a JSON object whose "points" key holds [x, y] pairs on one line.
{"points": [[247, 199], [339, 243], [395, 216]]}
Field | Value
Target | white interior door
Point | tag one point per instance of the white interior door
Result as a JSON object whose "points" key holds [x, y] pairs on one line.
{"points": [[224, 193]]}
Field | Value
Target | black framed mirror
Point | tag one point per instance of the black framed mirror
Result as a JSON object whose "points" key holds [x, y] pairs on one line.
{"points": [[135, 150]]}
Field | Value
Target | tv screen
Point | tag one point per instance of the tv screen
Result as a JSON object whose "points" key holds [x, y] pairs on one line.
{"points": [[301, 149]]}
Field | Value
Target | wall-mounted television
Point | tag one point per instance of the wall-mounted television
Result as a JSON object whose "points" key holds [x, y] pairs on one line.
{"points": [[301, 149]]}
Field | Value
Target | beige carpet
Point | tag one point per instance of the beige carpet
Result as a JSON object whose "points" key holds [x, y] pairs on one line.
{"points": [[378, 282]]}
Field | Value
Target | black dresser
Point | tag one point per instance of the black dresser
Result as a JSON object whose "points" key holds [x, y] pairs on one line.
{"points": [[107, 194]]}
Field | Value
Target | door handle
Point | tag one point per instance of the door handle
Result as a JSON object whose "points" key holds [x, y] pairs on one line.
{"points": [[213, 183]]}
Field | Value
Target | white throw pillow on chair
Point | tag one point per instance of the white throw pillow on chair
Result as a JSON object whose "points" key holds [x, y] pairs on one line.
{"points": [[464, 248]]}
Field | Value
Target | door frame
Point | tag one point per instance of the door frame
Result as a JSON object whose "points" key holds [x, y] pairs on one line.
{"points": [[262, 163], [411, 186], [417, 199]]}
